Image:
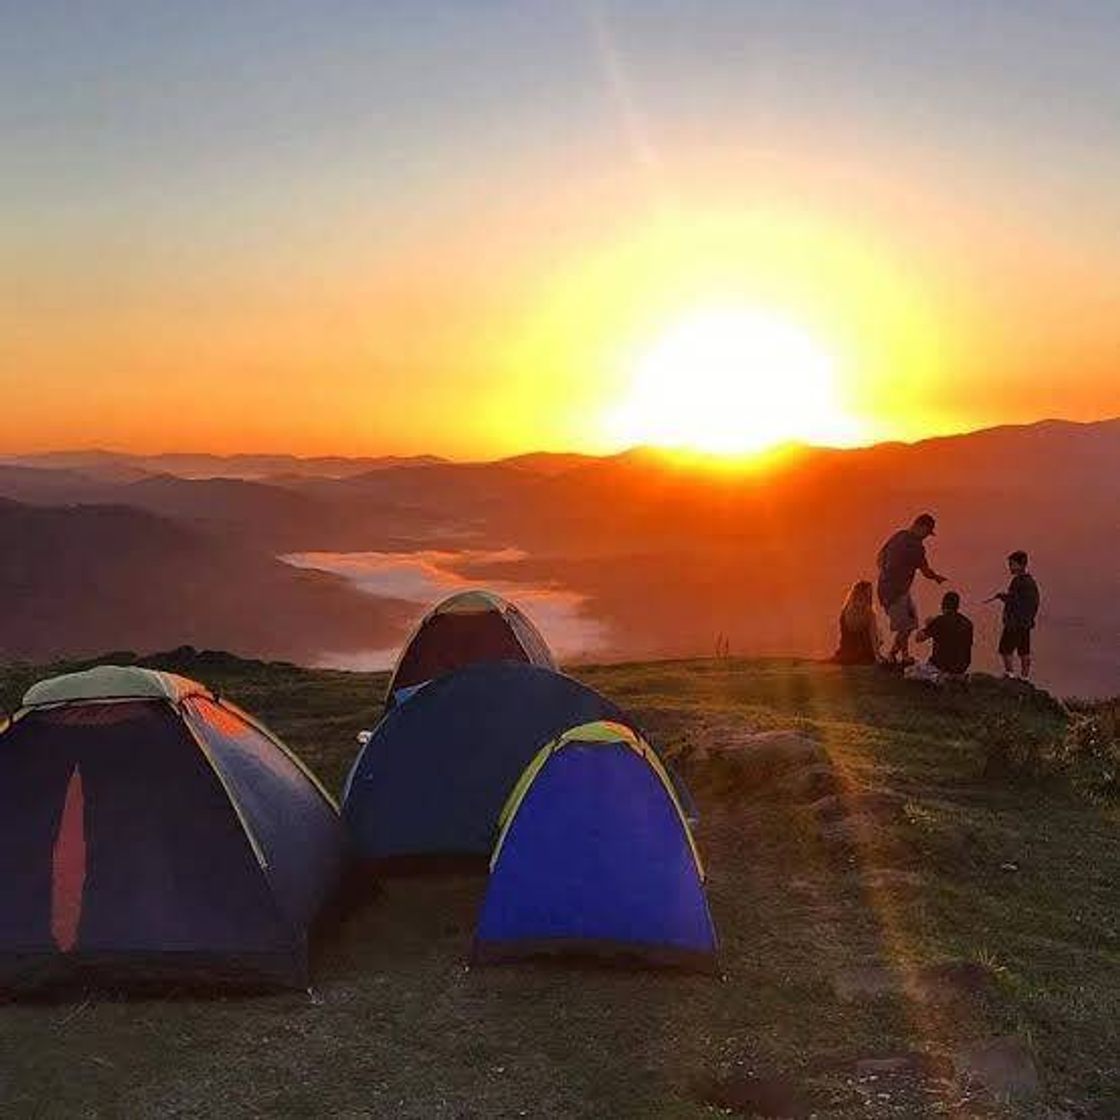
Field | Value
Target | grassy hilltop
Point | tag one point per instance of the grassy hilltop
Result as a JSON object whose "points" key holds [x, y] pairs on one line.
{"points": [[899, 876]]}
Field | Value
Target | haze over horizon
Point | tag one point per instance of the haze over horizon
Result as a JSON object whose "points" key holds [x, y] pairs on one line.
{"points": [[479, 230], [670, 454]]}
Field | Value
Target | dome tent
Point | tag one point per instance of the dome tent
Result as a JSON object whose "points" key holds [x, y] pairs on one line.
{"points": [[432, 779], [150, 831], [465, 628], [595, 857]]}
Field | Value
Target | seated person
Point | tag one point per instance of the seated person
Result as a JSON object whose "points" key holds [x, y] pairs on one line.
{"points": [[951, 634], [859, 632]]}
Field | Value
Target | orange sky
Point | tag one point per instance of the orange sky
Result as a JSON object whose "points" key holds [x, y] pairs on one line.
{"points": [[482, 294]]}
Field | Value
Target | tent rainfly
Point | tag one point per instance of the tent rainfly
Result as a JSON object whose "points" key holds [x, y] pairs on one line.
{"points": [[595, 858], [433, 777], [150, 831], [467, 627]]}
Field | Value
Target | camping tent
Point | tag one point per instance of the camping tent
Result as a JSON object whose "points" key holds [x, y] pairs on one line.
{"points": [[467, 627], [595, 856], [149, 830], [434, 776]]}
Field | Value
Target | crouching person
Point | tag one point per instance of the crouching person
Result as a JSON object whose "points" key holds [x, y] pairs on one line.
{"points": [[951, 635]]}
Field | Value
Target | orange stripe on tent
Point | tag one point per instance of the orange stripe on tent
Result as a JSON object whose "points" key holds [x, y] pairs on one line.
{"points": [[68, 877]]}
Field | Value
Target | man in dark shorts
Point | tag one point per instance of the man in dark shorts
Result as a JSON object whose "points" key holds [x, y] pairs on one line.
{"points": [[902, 556], [951, 634], [1020, 609]]}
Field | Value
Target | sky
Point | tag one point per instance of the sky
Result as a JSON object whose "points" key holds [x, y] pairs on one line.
{"points": [[478, 227]]}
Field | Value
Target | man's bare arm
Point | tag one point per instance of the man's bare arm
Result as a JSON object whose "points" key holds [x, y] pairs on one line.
{"points": [[929, 573]]}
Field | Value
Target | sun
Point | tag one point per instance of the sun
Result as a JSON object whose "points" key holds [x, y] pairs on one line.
{"points": [[732, 381]]}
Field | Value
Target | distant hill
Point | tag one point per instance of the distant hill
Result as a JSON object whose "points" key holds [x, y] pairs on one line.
{"points": [[83, 579], [117, 465], [274, 517], [669, 556]]}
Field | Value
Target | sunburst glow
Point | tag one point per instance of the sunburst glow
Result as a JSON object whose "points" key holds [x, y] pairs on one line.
{"points": [[733, 381]]}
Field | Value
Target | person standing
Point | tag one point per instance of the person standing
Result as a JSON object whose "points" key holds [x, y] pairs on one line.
{"points": [[899, 559], [1020, 610]]}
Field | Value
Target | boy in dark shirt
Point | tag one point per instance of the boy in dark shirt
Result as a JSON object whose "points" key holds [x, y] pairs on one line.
{"points": [[1020, 610], [951, 634]]}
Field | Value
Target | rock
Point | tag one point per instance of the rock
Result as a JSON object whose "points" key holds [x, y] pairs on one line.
{"points": [[755, 1096], [772, 752], [808, 784], [1003, 1066], [776, 765]]}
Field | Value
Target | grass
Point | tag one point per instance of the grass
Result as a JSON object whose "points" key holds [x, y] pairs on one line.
{"points": [[882, 843]]}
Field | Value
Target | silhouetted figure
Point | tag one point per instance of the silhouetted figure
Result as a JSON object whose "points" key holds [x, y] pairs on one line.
{"points": [[1020, 610], [902, 556], [859, 629], [951, 634]]}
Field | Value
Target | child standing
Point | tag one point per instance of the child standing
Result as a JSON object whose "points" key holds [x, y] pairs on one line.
{"points": [[1020, 610]]}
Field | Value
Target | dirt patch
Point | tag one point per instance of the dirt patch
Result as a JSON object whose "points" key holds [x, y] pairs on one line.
{"points": [[947, 982], [870, 981], [1003, 1066], [751, 1095], [852, 831], [878, 803], [892, 878], [953, 979], [809, 784], [893, 1064]]}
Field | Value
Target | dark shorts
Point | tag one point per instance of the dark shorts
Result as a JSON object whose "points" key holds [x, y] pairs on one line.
{"points": [[1015, 639]]}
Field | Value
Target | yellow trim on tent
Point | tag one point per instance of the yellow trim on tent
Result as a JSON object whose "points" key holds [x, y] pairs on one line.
{"points": [[475, 601], [279, 743], [599, 731], [112, 682], [521, 786], [231, 794]]}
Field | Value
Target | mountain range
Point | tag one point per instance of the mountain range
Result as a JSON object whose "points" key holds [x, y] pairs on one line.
{"points": [[105, 550]]}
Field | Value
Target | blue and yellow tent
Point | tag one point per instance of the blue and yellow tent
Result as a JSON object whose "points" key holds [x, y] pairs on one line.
{"points": [[595, 857]]}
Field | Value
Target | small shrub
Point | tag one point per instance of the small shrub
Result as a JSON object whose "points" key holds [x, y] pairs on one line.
{"points": [[1085, 752], [1016, 749], [1090, 751]]}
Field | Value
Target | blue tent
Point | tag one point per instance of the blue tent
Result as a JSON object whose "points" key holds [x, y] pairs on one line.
{"points": [[150, 831], [595, 857], [434, 776]]}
